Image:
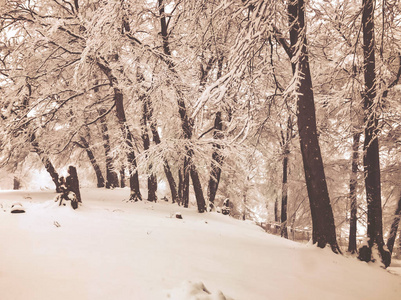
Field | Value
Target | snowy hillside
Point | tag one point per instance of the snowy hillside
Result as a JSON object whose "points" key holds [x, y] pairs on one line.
{"points": [[111, 249]]}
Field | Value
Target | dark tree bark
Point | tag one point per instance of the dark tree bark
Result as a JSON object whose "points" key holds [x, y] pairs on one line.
{"points": [[152, 182], [16, 183], [181, 186], [185, 183], [111, 175], [284, 195], [120, 112], [122, 177], [99, 176], [276, 216], [322, 215], [186, 123], [371, 144], [285, 145], [352, 248], [217, 159]]}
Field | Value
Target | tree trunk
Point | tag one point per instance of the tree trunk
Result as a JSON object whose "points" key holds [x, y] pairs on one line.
{"points": [[166, 166], [352, 194], [322, 215], [72, 184], [200, 201], [371, 144], [394, 227], [276, 216], [217, 160], [47, 163], [122, 177], [93, 161], [284, 195], [16, 183], [185, 183], [186, 123], [51, 170], [152, 182], [120, 112], [181, 185], [111, 175]]}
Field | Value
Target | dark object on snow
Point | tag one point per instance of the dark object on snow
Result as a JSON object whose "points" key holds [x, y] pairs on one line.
{"points": [[178, 215], [17, 208], [165, 199], [211, 207], [72, 182], [225, 210]]}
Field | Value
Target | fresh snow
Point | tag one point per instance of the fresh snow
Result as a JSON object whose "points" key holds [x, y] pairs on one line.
{"points": [[113, 249]]}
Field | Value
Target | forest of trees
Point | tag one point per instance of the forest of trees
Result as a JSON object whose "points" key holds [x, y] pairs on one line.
{"points": [[211, 98]]}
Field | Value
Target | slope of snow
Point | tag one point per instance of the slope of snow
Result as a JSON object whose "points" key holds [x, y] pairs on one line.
{"points": [[113, 249]]}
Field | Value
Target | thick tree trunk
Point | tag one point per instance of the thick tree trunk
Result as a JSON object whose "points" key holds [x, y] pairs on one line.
{"points": [[371, 144], [322, 215], [352, 194], [99, 176], [120, 112], [111, 175], [72, 184], [217, 160]]}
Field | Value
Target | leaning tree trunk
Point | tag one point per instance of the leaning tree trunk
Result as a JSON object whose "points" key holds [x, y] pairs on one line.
{"points": [[352, 194], [186, 123], [47, 163], [120, 112], [324, 232], [371, 144], [111, 175], [99, 176]]}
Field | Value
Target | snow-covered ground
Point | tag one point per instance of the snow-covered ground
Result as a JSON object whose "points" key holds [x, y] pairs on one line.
{"points": [[111, 249]]}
